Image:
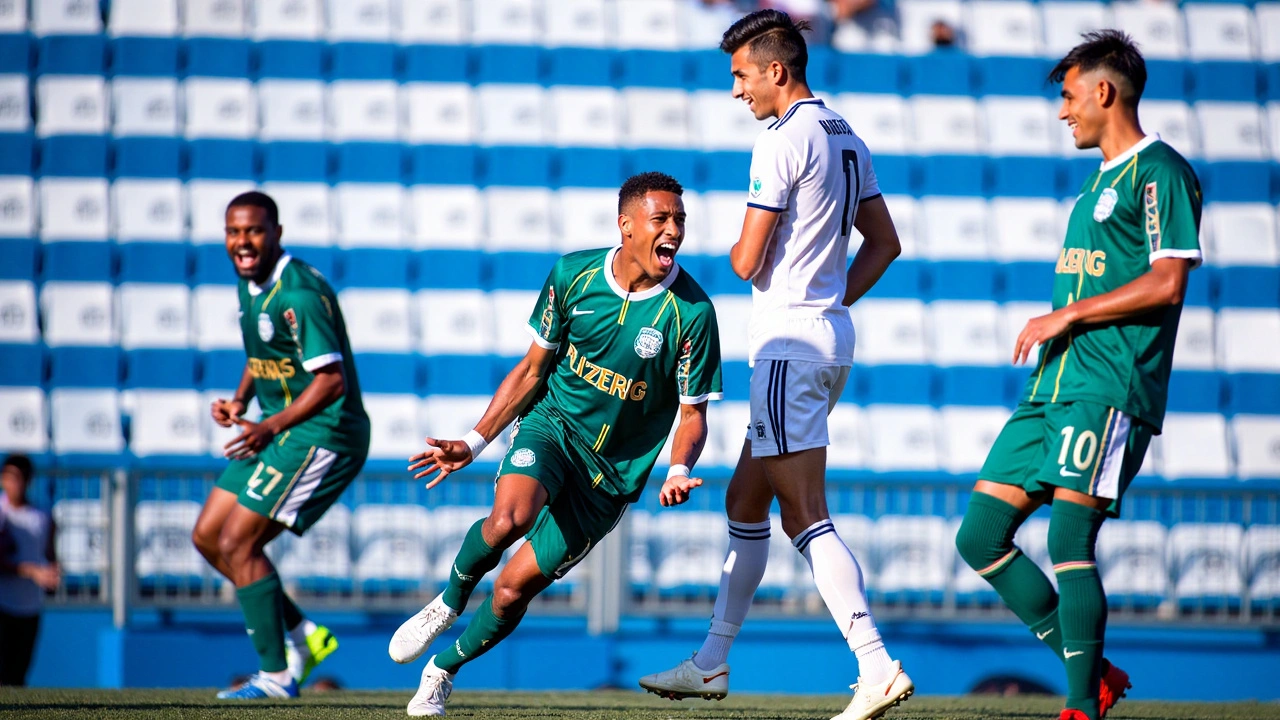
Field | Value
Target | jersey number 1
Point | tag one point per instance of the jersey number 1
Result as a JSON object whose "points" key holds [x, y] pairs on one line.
{"points": [[852, 188]]}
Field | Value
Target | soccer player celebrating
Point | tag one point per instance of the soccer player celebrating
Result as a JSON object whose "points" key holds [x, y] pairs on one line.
{"points": [[811, 183], [623, 339], [1098, 391], [289, 467]]}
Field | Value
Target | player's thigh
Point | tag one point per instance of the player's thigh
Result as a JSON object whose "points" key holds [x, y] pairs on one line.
{"points": [[570, 526], [799, 481], [1096, 451], [294, 483], [217, 506], [538, 450], [520, 580], [790, 401], [1016, 456], [749, 495]]}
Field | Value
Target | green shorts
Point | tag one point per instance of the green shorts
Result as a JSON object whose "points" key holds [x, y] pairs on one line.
{"points": [[291, 482], [577, 515], [1081, 446]]}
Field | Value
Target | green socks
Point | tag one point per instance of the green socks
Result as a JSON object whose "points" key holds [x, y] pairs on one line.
{"points": [[475, 559], [262, 603], [483, 632], [292, 613], [1082, 608], [985, 541]]}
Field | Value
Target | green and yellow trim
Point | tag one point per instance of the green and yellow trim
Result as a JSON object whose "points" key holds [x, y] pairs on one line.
{"points": [[311, 454], [604, 433], [1000, 564], [1107, 432], [1066, 567], [589, 275]]}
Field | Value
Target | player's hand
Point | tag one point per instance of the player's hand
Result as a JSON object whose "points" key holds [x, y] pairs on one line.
{"points": [[47, 576], [254, 438], [1039, 330], [442, 456], [227, 412], [675, 491]]}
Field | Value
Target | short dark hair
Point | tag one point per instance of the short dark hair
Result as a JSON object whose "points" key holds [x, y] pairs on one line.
{"points": [[637, 186], [771, 35], [255, 198], [22, 464], [1113, 50]]}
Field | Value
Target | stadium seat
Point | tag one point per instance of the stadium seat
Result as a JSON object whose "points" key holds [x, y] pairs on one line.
{"points": [[1024, 177], [437, 112], [451, 416], [1219, 31], [207, 204], [1257, 445], [1065, 22], [995, 27], [19, 322], [511, 311], [690, 549], [153, 315], [1018, 126], [721, 123], [733, 312], [1267, 28], [49, 17], [964, 333], [370, 214], [1242, 234], [148, 209], [1014, 317], [1024, 229], [1195, 445], [24, 420], [77, 313], [949, 175], [363, 110], [1249, 340], [305, 210], [1195, 391], [71, 54], [916, 18], [586, 218], [512, 114], [291, 109], [288, 19], [879, 119], [1156, 29], [577, 24], [73, 209], [167, 423], [391, 547], [145, 56], [15, 105], [446, 216], [216, 317], [656, 118], [942, 124], [891, 331], [652, 24], [519, 219], [319, 561], [728, 421], [915, 555], [903, 438], [1173, 121], [955, 228], [1205, 560], [967, 434], [982, 385], [1237, 181], [222, 159], [1262, 564], [1252, 393], [448, 527], [86, 421], [846, 428], [1231, 130], [370, 20], [585, 116], [166, 558], [220, 108], [1194, 346], [378, 319], [393, 420], [1131, 562]]}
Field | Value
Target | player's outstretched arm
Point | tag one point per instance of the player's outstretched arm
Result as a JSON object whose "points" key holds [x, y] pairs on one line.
{"points": [[1162, 286], [325, 388], [880, 247], [514, 394], [227, 412], [686, 448], [748, 254]]}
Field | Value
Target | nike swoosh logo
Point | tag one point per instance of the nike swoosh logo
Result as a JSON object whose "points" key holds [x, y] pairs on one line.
{"points": [[706, 680], [1043, 635], [576, 312], [1067, 654], [1067, 473]]}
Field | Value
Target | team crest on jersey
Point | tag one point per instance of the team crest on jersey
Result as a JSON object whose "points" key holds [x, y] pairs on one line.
{"points": [[292, 318], [548, 313], [682, 367], [1106, 205], [648, 343], [523, 458], [1151, 213], [266, 330], [756, 187]]}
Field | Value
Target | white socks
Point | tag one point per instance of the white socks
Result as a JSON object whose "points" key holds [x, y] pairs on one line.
{"points": [[839, 581], [743, 568], [299, 635], [282, 677]]}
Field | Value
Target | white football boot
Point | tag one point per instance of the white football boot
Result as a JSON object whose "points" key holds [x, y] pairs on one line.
{"points": [[433, 690], [416, 634], [688, 680], [873, 701]]}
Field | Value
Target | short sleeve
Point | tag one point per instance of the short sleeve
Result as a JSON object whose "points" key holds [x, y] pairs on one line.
{"points": [[870, 184], [1171, 204], [546, 324], [698, 369], [773, 173], [312, 321]]}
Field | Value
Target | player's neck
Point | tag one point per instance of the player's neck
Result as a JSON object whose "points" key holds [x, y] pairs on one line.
{"points": [[629, 275], [269, 270], [1120, 135], [790, 95]]}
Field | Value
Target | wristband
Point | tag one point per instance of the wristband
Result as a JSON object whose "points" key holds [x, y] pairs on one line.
{"points": [[476, 442], [678, 471]]}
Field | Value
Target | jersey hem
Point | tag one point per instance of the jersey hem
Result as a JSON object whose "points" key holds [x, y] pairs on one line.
{"points": [[1125, 408], [1195, 255], [320, 361], [695, 399], [539, 340]]}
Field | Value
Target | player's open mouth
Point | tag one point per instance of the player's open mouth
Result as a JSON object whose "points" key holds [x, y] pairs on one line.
{"points": [[1073, 125], [666, 253], [245, 259]]}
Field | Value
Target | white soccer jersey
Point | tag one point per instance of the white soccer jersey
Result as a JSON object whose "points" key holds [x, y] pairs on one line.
{"points": [[810, 167]]}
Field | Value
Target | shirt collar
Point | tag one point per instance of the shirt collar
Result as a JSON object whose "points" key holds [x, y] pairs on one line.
{"points": [[643, 294], [255, 289], [1123, 157]]}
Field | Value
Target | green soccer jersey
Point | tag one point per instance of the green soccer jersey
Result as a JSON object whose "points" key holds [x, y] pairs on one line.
{"points": [[293, 326], [1139, 207], [625, 361]]}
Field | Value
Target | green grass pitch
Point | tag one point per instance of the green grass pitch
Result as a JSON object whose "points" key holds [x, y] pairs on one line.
{"points": [[599, 705]]}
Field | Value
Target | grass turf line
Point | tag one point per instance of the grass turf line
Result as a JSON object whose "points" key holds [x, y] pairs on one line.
{"points": [[600, 705]]}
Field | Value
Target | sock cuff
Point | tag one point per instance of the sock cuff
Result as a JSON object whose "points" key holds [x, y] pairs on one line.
{"points": [[720, 627], [806, 536], [478, 526], [1064, 568], [994, 504], [749, 531], [863, 639], [995, 567], [267, 584]]}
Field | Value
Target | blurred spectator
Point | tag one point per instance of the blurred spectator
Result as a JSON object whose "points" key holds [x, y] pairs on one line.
{"points": [[864, 25], [943, 34], [28, 569], [814, 12]]}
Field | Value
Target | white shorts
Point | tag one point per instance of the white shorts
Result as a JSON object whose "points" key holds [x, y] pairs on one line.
{"points": [[790, 402]]}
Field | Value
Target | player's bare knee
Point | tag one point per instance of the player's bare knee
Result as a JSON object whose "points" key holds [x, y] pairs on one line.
{"points": [[504, 527], [509, 598], [206, 543]]}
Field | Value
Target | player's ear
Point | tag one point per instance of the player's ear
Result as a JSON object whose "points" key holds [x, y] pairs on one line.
{"points": [[777, 73], [1106, 92], [624, 224]]}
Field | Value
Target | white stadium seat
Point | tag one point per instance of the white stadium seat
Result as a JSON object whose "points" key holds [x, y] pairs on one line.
{"points": [[702, 26], [73, 209], [451, 416], [153, 315], [1262, 549], [846, 429], [890, 331], [915, 554], [15, 105], [164, 547], [85, 421], [1156, 28], [1131, 558], [83, 542], [656, 118], [724, 211], [24, 420], [1257, 443], [511, 311], [220, 108], [903, 209], [59, 17], [648, 24], [1273, 126], [439, 112], [1268, 28], [964, 333], [71, 105], [944, 124], [916, 18], [305, 211], [722, 123], [1065, 22], [1217, 31], [77, 313], [13, 17], [954, 228], [1194, 346], [691, 548], [512, 114], [364, 110], [1014, 317], [17, 206], [214, 18], [432, 21], [903, 437], [291, 109], [19, 321], [1249, 340], [697, 229], [967, 435], [1174, 122], [207, 202], [588, 218], [371, 215], [393, 420], [215, 317], [378, 319], [367, 20], [727, 421], [143, 106], [519, 218], [1205, 559], [1231, 130], [148, 210], [1242, 234], [448, 527], [585, 117], [859, 535], [167, 422], [446, 216], [288, 20], [505, 22], [323, 553], [216, 437], [1032, 539], [1024, 229], [1018, 126], [733, 313], [577, 23], [392, 542], [1000, 27], [880, 120], [143, 18], [454, 322], [1195, 445]]}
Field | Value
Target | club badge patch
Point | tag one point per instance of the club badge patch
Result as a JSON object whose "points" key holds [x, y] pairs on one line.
{"points": [[266, 330], [291, 318], [1106, 205], [1151, 213], [682, 367], [648, 343], [523, 458], [548, 313], [756, 187]]}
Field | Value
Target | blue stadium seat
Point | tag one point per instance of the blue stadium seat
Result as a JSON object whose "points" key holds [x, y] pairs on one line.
{"points": [[211, 265], [679, 164], [508, 64], [369, 162], [443, 165], [298, 59], [375, 267], [84, 367], [437, 63], [222, 159], [896, 385], [735, 376], [149, 157], [894, 174], [221, 369], [1202, 287], [323, 259], [1254, 393], [651, 68], [1195, 391], [590, 167], [516, 166], [581, 66], [820, 74], [1225, 80], [1270, 80], [963, 175], [514, 270], [942, 72], [903, 279], [1075, 171], [16, 53], [78, 261], [363, 61], [1014, 76], [154, 368], [962, 280], [21, 257], [1025, 177], [74, 156], [387, 373], [726, 170], [973, 386], [295, 162], [151, 56], [1166, 80], [1015, 378], [17, 153], [1249, 286], [72, 55], [155, 262], [1025, 281], [23, 365], [451, 270], [459, 375], [1237, 182], [880, 74], [218, 57], [708, 70]]}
